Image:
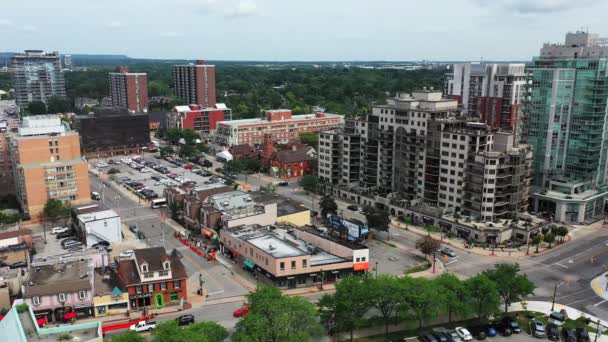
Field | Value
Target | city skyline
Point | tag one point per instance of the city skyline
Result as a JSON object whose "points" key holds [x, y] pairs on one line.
{"points": [[269, 30]]}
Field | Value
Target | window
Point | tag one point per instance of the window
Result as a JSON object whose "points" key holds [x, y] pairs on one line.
{"points": [[282, 266], [36, 300], [138, 289], [174, 297], [304, 264], [144, 268], [293, 264], [167, 265], [50, 143], [176, 284], [150, 287], [61, 297], [163, 285], [82, 295], [163, 273], [362, 259]]}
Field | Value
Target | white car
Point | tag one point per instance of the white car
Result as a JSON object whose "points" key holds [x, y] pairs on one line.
{"points": [[145, 170], [126, 254], [58, 230], [464, 334]]}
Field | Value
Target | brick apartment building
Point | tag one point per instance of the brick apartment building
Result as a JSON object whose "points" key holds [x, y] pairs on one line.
{"points": [[129, 89], [197, 117], [153, 278], [195, 83], [280, 124], [46, 163], [6, 180]]}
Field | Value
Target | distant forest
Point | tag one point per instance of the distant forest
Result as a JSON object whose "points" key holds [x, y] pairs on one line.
{"points": [[249, 90]]}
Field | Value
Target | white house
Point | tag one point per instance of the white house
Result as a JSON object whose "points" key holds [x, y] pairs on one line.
{"points": [[100, 225]]}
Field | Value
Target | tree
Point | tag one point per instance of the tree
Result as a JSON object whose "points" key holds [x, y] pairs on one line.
{"points": [[187, 151], [310, 138], [234, 166], [549, 238], [423, 298], [53, 209], [346, 308], [309, 183], [377, 219], [483, 295], [536, 240], [189, 136], [454, 295], [37, 108], [173, 135], [169, 331], [203, 148], [511, 284], [59, 105], [328, 206], [166, 151], [427, 245], [386, 296], [129, 336], [562, 232], [275, 317]]}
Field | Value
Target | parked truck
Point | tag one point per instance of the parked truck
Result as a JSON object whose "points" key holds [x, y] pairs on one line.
{"points": [[143, 326]]}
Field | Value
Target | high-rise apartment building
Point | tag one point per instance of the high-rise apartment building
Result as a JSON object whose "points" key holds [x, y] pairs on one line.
{"points": [[421, 149], [494, 92], [129, 89], [195, 83], [46, 163], [567, 123], [37, 76]]}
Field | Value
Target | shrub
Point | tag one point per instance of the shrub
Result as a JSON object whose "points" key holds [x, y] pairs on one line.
{"points": [[22, 308]]}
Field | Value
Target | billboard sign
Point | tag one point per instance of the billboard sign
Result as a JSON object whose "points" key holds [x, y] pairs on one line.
{"points": [[355, 231]]}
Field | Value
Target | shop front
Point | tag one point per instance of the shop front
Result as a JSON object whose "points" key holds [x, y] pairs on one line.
{"points": [[140, 300], [84, 311], [113, 304], [46, 314]]}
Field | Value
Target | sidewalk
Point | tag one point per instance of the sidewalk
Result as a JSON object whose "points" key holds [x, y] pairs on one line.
{"points": [[506, 252]]}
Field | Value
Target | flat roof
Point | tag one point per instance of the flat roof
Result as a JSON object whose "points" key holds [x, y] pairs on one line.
{"points": [[293, 118], [97, 215], [44, 279], [231, 200], [275, 247]]}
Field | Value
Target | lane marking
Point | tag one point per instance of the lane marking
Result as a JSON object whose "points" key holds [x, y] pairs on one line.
{"points": [[575, 293], [451, 262], [215, 292], [599, 303], [558, 264], [581, 300]]}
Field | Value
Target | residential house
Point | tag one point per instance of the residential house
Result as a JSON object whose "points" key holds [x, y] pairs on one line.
{"points": [[153, 278], [57, 289], [244, 151]]}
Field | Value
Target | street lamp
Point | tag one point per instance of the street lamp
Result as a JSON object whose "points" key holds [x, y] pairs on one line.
{"points": [[376, 269], [555, 292], [321, 279]]}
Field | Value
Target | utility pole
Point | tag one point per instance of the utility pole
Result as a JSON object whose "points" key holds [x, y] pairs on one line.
{"points": [[597, 331], [434, 260], [376, 269], [555, 293]]}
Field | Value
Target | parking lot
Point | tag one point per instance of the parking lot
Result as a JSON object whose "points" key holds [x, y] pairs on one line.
{"points": [[152, 174], [391, 260]]}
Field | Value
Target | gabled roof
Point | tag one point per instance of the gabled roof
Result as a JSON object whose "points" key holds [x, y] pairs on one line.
{"points": [[293, 156], [154, 257]]}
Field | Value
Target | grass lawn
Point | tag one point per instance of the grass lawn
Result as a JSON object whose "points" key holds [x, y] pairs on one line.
{"points": [[524, 318]]}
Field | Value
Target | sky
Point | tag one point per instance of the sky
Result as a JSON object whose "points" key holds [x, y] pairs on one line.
{"points": [[298, 30]]}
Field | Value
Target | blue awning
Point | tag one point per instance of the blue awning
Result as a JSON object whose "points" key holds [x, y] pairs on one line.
{"points": [[248, 263]]}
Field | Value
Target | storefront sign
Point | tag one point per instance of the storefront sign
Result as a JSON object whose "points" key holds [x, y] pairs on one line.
{"points": [[361, 266], [141, 295]]}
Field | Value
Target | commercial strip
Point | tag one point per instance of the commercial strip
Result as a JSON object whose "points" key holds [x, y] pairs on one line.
{"points": [[289, 256]]}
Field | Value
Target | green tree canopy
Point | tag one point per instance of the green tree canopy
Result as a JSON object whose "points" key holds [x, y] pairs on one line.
{"points": [[511, 283], [427, 245], [275, 317], [377, 218], [310, 138], [37, 108], [345, 309], [129, 336], [549, 238], [386, 295], [59, 105], [454, 291], [483, 295], [166, 151], [169, 331], [536, 240], [187, 151], [328, 206], [53, 209], [309, 183]]}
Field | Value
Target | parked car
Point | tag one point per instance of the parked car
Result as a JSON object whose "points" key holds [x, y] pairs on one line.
{"points": [[58, 230], [352, 207], [206, 174], [18, 264], [428, 338], [490, 330], [478, 332], [503, 328], [133, 229], [582, 335], [552, 332], [95, 196], [185, 320], [538, 329], [126, 254], [143, 326], [66, 234], [206, 163], [569, 335], [72, 244], [283, 183], [447, 251], [454, 336], [512, 323], [440, 336], [156, 178], [242, 311], [463, 333], [102, 243]]}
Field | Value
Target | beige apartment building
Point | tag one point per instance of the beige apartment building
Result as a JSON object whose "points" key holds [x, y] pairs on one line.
{"points": [[46, 163], [288, 256]]}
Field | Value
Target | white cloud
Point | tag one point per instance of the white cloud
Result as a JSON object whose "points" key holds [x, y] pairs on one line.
{"points": [[170, 34], [245, 8], [5, 23], [28, 28], [537, 6], [114, 24]]}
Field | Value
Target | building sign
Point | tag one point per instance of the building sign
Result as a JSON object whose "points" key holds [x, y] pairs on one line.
{"points": [[355, 231], [361, 266], [141, 295]]}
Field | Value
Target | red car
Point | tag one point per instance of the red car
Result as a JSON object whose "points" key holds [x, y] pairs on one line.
{"points": [[241, 312]]}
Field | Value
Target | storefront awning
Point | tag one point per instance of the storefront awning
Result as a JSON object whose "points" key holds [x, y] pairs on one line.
{"points": [[69, 315], [361, 266], [248, 264]]}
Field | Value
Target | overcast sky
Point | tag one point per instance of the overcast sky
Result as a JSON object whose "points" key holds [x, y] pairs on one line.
{"points": [[297, 29]]}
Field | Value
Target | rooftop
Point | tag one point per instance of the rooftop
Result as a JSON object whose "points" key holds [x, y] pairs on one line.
{"points": [[42, 125], [106, 282], [285, 206], [73, 276], [264, 121], [231, 200], [97, 215], [275, 246]]}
